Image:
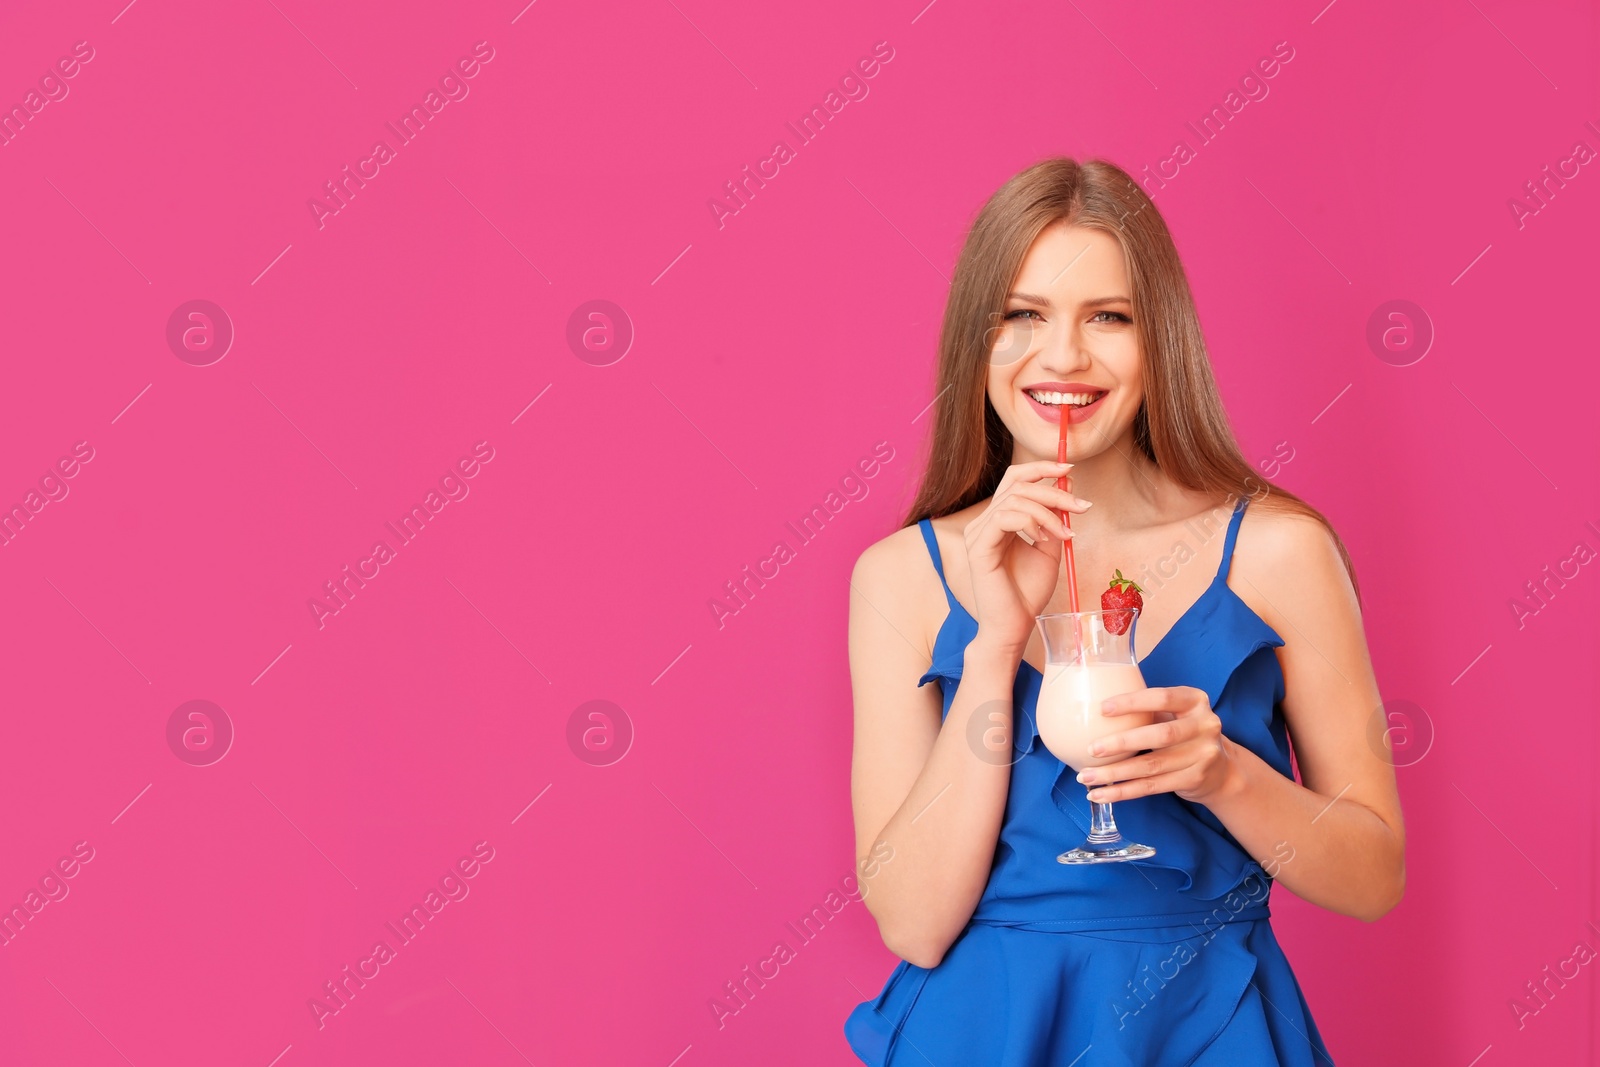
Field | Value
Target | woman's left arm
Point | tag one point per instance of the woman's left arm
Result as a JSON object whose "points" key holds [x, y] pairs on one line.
{"points": [[1341, 831]]}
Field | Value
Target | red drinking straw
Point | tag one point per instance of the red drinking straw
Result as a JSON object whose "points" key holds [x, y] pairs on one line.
{"points": [[1065, 483]]}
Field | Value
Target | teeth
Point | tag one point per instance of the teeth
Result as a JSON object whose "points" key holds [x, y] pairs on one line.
{"points": [[1076, 400]]}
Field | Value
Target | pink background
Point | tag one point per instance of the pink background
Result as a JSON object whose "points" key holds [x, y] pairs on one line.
{"points": [[769, 355]]}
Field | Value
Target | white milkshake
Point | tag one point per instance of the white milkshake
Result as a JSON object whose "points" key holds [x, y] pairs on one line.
{"points": [[1069, 715]]}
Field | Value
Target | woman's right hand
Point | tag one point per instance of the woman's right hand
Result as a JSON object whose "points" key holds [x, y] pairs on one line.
{"points": [[1011, 579]]}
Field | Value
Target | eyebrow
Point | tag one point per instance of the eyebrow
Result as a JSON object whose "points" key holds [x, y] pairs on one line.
{"points": [[1044, 302]]}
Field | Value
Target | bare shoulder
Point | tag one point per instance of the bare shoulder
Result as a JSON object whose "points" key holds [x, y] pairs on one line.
{"points": [[894, 578], [902, 559], [1290, 560], [889, 561], [1270, 532]]}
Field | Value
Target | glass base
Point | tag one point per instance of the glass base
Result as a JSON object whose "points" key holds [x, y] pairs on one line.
{"points": [[1118, 853]]}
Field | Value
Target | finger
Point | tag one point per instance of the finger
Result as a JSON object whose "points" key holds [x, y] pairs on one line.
{"points": [[1034, 515], [1155, 735], [1049, 547], [1179, 699], [1146, 766], [1032, 472], [1013, 516], [1141, 787], [1049, 495]]}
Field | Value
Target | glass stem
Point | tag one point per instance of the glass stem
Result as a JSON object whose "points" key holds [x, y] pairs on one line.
{"points": [[1102, 827]]}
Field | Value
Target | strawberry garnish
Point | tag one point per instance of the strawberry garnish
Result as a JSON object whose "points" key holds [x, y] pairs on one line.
{"points": [[1115, 602]]}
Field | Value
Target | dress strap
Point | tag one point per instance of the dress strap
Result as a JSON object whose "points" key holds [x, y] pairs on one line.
{"points": [[926, 526], [1233, 535]]}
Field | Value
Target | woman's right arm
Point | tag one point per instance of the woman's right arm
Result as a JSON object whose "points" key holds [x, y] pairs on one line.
{"points": [[929, 796]]}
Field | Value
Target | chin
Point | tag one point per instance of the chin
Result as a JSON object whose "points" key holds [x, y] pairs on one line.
{"points": [[1088, 439]]}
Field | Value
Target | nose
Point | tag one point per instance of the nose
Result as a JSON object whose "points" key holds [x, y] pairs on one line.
{"points": [[1061, 348]]}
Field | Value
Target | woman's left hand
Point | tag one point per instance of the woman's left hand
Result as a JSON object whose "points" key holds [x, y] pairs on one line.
{"points": [[1189, 754]]}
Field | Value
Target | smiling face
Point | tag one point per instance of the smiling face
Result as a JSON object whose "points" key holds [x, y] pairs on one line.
{"points": [[1067, 346]]}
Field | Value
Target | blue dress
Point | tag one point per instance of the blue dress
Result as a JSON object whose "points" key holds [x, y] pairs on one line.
{"points": [[1148, 963]]}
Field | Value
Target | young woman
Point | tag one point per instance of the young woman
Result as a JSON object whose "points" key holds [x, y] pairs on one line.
{"points": [[1069, 301]]}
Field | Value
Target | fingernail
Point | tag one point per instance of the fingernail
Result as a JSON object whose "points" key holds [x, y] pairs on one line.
{"points": [[1086, 503], [1097, 749], [1083, 777]]}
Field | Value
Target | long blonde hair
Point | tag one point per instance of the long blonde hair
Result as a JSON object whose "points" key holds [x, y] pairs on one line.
{"points": [[1181, 427]]}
